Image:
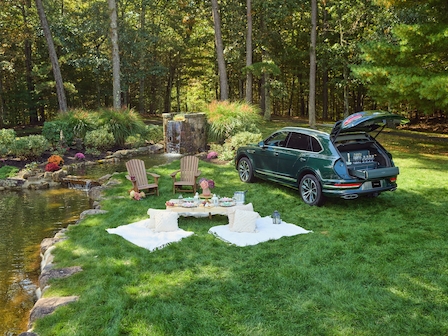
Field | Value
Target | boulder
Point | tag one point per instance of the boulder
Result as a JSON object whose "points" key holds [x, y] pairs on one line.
{"points": [[47, 275], [91, 212], [46, 306]]}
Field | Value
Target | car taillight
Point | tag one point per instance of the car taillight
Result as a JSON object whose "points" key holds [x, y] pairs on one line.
{"points": [[347, 185], [393, 179]]}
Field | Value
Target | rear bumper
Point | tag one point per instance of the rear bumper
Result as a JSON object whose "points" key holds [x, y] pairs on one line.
{"points": [[365, 189]]}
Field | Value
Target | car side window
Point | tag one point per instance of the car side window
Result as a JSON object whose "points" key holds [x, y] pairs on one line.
{"points": [[299, 141], [277, 139], [315, 145]]}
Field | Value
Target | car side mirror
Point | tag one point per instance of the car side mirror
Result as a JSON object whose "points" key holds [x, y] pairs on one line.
{"points": [[261, 144]]}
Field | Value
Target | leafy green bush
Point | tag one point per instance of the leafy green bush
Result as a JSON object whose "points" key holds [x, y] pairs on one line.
{"points": [[153, 133], [8, 171], [29, 147], [7, 137], [52, 132], [99, 139], [134, 141], [226, 119], [228, 149]]}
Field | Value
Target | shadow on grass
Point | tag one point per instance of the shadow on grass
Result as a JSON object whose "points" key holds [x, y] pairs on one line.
{"points": [[372, 266]]}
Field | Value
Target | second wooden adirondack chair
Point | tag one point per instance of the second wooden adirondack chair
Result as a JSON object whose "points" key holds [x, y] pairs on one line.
{"points": [[189, 172], [138, 175]]}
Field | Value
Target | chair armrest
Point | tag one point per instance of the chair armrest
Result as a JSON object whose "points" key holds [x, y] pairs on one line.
{"points": [[173, 174], [197, 173], [155, 176]]}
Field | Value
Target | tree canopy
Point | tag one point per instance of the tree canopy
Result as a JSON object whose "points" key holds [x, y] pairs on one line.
{"points": [[388, 54]]}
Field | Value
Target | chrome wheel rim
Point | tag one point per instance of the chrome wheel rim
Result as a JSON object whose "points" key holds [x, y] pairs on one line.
{"points": [[244, 170], [309, 190]]}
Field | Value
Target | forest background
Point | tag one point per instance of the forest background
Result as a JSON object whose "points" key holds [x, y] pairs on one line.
{"points": [[385, 54]]}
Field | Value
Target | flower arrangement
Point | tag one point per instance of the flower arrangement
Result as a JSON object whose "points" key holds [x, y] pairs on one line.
{"points": [[80, 156], [135, 195], [206, 185]]}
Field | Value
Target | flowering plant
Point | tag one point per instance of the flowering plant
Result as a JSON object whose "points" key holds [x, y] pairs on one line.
{"points": [[80, 156], [56, 159], [137, 195], [52, 167]]}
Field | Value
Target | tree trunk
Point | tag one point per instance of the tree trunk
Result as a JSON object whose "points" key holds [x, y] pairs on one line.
{"points": [[346, 103], [249, 76], [116, 90], [53, 57], [312, 95], [141, 82], [220, 52]]}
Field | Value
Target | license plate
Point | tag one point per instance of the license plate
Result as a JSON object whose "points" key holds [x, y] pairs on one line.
{"points": [[376, 184]]}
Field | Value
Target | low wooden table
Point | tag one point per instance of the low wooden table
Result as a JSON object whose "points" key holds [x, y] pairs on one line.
{"points": [[199, 211]]}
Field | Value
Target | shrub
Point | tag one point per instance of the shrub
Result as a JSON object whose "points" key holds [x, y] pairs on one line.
{"points": [[227, 151], [58, 132], [7, 137], [52, 167], [29, 147], [99, 139], [56, 159], [153, 133], [134, 141], [226, 119]]}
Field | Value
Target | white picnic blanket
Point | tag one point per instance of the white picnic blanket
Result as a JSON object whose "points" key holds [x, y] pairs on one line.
{"points": [[138, 234], [265, 231]]}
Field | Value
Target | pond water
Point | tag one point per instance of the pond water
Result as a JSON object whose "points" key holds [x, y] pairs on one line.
{"points": [[26, 218]]}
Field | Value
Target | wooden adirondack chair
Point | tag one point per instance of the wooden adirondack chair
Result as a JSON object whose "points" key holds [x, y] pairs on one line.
{"points": [[188, 174], [138, 175]]}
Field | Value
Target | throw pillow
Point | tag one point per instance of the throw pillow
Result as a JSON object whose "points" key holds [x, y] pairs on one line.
{"points": [[166, 221], [231, 212], [244, 221], [152, 215]]}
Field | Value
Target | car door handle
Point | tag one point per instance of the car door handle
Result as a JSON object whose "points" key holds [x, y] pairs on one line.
{"points": [[302, 159], [275, 153]]}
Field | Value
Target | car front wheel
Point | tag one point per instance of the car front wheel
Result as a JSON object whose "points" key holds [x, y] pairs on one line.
{"points": [[311, 190], [245, 170]]}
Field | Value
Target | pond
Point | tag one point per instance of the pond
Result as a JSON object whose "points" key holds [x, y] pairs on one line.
{"points": [[29, 216]]}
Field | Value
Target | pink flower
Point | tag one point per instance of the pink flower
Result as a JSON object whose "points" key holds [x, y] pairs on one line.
{"points": [[80, 156], [212, 155]]}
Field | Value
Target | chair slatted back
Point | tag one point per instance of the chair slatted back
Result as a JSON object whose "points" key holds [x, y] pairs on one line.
{"points": [[188, 168], [137, 168]]}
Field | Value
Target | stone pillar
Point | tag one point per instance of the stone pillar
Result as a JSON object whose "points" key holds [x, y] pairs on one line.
{"points": [[184, 133]]}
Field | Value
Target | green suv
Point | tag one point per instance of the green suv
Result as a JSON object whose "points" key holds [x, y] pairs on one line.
{"points": [[346, 163]]}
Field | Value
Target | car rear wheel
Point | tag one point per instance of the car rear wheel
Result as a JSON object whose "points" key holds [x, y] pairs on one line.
{"points": [[311, 190], [245, 170]]}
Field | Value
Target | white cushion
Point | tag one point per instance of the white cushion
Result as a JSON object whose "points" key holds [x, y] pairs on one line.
{"points": [[166, 221], [231, 212], [245, 221], [152, 215]]}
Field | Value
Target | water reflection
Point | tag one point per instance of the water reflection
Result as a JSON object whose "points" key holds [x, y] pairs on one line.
{"points": [[26, 218]]}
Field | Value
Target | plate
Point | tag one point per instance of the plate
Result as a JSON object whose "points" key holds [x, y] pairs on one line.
{"points": [[188, 199], [189, 205], [227, 204], [226, 199]]}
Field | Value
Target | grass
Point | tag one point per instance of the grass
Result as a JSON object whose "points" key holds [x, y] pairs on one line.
{"points": [[370, 267]]}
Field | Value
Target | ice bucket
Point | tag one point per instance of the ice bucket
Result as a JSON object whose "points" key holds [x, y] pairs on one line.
{"points": [[239, 197]]}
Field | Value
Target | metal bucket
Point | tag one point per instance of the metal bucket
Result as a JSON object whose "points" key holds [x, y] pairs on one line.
{"points": [[239, 197]]}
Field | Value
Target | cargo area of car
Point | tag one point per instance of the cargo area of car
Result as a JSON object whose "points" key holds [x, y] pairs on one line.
{"points": [[366, 159]]}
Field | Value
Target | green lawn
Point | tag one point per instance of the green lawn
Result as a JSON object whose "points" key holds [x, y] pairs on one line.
{"points": [[370, 267]]}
